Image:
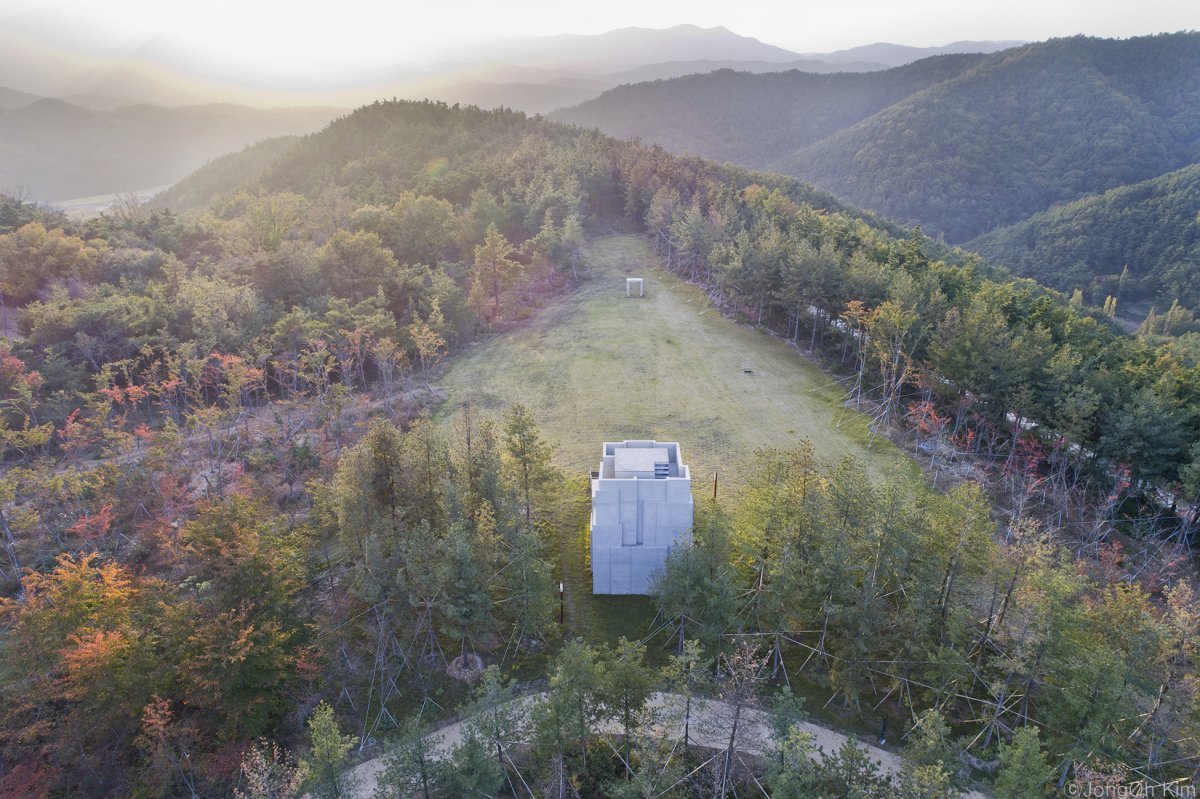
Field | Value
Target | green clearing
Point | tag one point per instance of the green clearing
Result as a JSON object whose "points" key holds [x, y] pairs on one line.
{"points": [[596, 366]]}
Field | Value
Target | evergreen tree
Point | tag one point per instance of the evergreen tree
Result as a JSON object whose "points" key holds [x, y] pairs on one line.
{"points": [[465, 574], [495, 268], [563, 723], [496, 713], [328, 777], [528, 455], [410, 769], [627, 686], [471, 770], [1024, 772], [688, 676]]}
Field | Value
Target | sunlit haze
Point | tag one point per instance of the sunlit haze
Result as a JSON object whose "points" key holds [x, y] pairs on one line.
{"points": [[271, 43]]}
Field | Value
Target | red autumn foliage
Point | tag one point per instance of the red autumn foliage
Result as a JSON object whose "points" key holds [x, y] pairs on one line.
{"points": [[90, 528]]}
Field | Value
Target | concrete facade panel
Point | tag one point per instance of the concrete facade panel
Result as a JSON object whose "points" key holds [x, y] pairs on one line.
{"points": [[637, 520]]}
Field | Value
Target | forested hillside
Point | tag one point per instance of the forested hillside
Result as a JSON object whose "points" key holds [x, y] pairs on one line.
{"points": [[1024, 130], [227, 516], [988, 143], [755, 119], [222, 176], [1150, 228]]}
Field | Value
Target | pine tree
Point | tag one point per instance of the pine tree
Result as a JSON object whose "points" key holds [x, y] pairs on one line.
{"points": [[528, 455], [743, 673], [563, 723], [497, 714], [1024, 772], [572, 240], [409, 768], [471, 770], [465, 572], [927, 782], [696, 588], [328, 777], [529, 602], [627, 686], [929, 744], [495, 268]]}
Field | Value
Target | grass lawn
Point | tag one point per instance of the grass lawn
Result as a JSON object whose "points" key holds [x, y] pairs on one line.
{"points": [[595, 366]]}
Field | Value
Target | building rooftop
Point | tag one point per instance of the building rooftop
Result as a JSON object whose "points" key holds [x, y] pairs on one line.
{"points": [[639, 460]]}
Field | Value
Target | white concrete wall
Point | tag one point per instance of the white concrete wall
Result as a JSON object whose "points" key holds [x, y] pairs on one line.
{"points": [[635, 522]]}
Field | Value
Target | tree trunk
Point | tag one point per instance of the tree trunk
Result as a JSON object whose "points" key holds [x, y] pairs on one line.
{"points": [[724, 783], [10, 546]]}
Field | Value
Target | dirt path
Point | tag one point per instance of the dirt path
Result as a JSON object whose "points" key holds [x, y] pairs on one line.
{"points": [[706, 731]]}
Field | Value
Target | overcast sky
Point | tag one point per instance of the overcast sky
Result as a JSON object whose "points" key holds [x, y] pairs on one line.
{"points": [[303, 36]]}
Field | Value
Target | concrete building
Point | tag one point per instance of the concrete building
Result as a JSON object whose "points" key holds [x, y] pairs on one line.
{"points": [[641, 506]]}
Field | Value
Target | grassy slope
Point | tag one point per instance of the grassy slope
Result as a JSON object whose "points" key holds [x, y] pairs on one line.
{"points": [[595, 366], [598, 367]]}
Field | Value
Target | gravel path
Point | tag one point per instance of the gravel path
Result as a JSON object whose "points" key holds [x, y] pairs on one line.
{"points": [[705, 731]]}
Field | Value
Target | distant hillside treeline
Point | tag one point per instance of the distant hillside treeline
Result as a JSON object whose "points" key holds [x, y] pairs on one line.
{"points": [[223, 174], [1151, 228], [755, 119], [975, 143], [340, 210]]}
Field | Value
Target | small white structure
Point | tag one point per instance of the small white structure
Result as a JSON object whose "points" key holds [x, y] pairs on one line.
{"points": [[629, 284], [641, 507]]}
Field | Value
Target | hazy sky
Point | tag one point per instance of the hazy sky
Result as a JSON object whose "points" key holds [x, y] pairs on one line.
{"points": [[307, 36]]}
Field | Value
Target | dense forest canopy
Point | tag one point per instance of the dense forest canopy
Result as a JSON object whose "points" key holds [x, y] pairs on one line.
{"points": [[1151, 229], [209, 537]]}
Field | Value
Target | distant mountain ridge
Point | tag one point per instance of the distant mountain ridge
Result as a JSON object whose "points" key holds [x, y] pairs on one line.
{"points": [[979, 143], [673, 69], [756, 119], [1021, 131], [162, 71], [627, 48], [14, 98], [86, 125], [896, 55]]}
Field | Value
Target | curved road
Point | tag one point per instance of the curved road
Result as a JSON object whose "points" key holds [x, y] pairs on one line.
{"points": [[706, 730]]}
